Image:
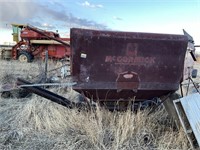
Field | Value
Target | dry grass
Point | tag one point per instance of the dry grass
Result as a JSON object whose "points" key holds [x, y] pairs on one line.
{"points": [[36, 123], [198, 57]]}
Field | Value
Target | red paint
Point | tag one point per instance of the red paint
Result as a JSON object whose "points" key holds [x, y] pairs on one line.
{"points": [[126, 64], [55, 51]]}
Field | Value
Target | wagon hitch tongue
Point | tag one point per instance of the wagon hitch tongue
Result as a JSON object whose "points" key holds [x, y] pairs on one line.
{"points": [[48, 94]]}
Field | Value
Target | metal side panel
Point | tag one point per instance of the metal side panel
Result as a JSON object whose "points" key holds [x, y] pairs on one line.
{"points": [[47, 42], [191, 106]]}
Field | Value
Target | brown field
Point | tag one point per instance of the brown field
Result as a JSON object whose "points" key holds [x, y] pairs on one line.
{"points": [[36, 123]]}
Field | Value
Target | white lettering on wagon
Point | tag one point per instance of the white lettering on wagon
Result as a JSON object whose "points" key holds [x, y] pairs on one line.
{"points": [[130, 60], [131, 57]]}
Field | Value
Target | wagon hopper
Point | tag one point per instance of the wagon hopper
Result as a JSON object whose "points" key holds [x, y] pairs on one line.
{"points": [[112, 65]]}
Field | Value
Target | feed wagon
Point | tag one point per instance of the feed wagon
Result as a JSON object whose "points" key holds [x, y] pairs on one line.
{"points": [[113, 67]]}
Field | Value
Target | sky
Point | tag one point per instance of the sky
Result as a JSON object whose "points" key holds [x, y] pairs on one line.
{"points": [[154, 16]]}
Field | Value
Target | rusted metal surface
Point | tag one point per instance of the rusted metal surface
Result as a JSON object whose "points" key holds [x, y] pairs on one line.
{"points": [[38, 33], [189, 58], [112, 65]]}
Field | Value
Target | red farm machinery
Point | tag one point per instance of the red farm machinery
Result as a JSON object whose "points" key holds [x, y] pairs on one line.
{"points": [[33, 42]]}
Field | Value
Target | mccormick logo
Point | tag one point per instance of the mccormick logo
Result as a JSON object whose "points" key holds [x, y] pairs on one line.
{"points": [[131, 57]]}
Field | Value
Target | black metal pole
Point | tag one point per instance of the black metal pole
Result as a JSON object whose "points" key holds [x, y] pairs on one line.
{"points": [[46, 65], [47, 94]]}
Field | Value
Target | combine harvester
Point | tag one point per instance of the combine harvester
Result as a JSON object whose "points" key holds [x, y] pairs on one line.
{"points": [[115, 67], [33, 42]]}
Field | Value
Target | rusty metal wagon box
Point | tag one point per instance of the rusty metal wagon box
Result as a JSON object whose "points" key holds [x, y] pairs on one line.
{"points": [[111, 65]]}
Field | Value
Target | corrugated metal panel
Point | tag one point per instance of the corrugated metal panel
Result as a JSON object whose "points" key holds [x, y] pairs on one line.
{"points": [[191, 107]]}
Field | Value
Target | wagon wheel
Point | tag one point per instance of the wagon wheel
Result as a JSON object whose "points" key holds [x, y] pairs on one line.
{"points": [[6, 94], [25, 56]]}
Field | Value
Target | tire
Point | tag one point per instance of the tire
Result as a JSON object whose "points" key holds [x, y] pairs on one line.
{"points": [[25, 56], [18, 93], [6, 94]]}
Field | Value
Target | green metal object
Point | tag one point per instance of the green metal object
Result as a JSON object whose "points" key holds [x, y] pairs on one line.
{"points": [[16, 31]]}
